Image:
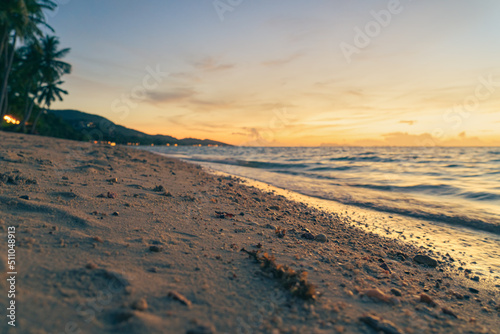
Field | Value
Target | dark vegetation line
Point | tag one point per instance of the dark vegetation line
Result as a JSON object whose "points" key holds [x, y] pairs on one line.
{"points": [[31, 64]]}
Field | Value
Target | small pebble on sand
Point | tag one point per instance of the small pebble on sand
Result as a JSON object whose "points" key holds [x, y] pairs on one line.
{"points": [[425, 260], [380, 325], [377, 295], [155, 249], [140, 305], [91, 266], [202, 329], [98, 239], [396, 292], [473, 290], [449, 312], [425, 298], [160, 189], [321, 238], [308, 236]]}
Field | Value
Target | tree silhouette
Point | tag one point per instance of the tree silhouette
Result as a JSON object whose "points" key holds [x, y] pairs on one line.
{"points": [[19, 20], [51, 69], [26, 81]]}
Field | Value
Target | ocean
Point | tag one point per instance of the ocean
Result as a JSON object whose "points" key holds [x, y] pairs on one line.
{"points": [[457, 189]]}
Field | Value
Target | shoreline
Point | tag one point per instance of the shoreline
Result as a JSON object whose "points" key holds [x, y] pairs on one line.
{"points": [[456, 212], [117, 239], [458, 240], [387, 225]]}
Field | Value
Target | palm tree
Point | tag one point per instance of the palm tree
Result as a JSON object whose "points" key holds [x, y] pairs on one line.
{"points": [[19, 20], [48, 94], [51, 69], [27, 78], [52, 66]]}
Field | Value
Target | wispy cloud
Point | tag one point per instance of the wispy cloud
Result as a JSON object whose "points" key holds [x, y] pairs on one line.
{"points": [[207, 105], [176, 95], [211, 64], [408, 122], [256, 137], [282, 61], [191, 77], [191, 99]]}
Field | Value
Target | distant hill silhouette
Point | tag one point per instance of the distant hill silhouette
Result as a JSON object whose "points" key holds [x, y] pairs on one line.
{"points": [[94, 127]]}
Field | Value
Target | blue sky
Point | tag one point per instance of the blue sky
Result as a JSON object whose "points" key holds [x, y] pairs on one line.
{"points": [[275, 72]]}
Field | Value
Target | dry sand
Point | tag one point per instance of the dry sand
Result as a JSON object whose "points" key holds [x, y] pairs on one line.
{"points": [[117, 240]]}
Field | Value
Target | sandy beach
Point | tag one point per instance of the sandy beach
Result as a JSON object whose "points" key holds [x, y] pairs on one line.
{"points": [[119, 240]]}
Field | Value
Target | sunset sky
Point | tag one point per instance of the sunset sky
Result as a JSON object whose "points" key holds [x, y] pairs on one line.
{"points": [[294, 72]]}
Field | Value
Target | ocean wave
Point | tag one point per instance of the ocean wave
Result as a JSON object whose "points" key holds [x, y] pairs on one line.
{"points": [[251, 163], [327, 169], [362, 158], [449, 218], [449, 214], [481, 196], [437, 189], [307, 175]]}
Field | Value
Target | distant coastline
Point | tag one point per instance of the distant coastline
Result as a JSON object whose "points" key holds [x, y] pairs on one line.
{"points": [[82, 126]]}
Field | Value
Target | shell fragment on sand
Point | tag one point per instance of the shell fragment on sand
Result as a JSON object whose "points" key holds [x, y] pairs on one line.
{"points": [[177, 296], [380, 325]]}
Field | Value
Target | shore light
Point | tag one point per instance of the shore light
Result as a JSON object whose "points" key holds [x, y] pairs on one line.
{"points": [[10, 119]]}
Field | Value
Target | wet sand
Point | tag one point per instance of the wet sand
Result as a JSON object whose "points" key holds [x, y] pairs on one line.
{"points": [[472, 249], [117, 240]]}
